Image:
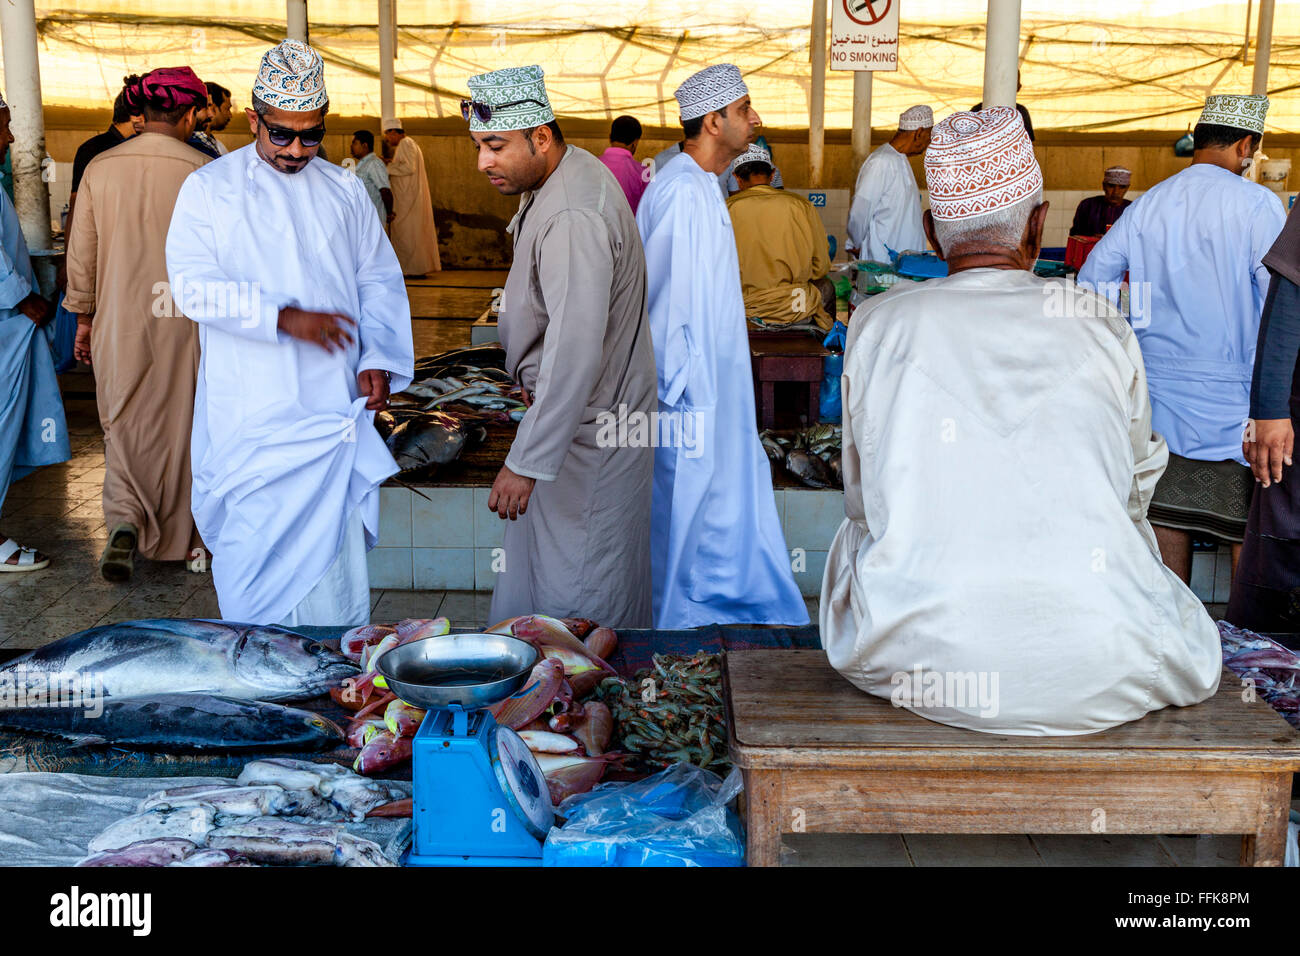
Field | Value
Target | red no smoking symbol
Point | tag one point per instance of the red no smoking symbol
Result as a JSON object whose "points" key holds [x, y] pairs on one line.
{"points": [[867, 12]]}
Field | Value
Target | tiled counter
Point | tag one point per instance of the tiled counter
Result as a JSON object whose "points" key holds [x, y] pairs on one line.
{"points": [[447, 541]]}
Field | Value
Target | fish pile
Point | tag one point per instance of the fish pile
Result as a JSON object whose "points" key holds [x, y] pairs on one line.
{"points": [[278, 812], [449, 404], [174, 685], [1274, 670], [812, 455], [556, 713], [672, 712]]}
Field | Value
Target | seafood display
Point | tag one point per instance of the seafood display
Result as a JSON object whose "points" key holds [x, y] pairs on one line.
{"points": [[557, 713], [140, 658], [811, 454], [280, 812], [179, 722], [454, 397], [671, 712], [1273, 670]]}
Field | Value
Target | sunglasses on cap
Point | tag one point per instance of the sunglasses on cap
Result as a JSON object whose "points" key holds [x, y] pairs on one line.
{"points": [[484, 110], [280, 136]]}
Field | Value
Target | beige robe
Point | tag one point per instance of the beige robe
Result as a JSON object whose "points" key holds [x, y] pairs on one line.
{"points": [[145, 352], [573, 322], [783, 251], [413, 234], [995, 569]]}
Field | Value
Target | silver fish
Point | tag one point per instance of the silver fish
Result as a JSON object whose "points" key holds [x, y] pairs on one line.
{"points": [[185, 823], [164, 851], [137, 658], [179, 722], [459, 395], [351, 794], [278, 842], [229, 800], [213, 858]]}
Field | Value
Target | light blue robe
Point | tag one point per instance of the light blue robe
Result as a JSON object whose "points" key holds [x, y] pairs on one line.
{"points": [[33, 431], [1192, 247], [717, 552]]}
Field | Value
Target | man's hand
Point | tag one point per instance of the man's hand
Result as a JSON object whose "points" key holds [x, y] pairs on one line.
{"points": [[374, 383], [510, 494], [1274, 442], [81, 347], [329, 330], [35, 308]]}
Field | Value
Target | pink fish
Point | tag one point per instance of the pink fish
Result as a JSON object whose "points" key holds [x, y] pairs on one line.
{"points": [[595, 728], [545, 742], [402, 719], [579, 626], [414, 629], [359, 730], [354, 641], [528, 704], [567, 774], [381, 752], [583, 669], [602, 642]]}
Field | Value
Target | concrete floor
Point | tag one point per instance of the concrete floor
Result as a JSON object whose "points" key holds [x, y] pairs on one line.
{"points": [[58, 511]]}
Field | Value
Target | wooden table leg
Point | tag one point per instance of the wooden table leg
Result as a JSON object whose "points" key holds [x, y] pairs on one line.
{"points": [[763, 818], [769, 404], [1267, 845]]}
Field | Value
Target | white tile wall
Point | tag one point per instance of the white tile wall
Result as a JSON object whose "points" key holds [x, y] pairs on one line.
{"points": [[456, 540]]}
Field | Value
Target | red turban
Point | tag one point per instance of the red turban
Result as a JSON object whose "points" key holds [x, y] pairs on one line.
{"points": [[166, 89]]}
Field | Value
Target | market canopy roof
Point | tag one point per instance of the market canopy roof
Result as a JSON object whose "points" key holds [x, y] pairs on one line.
{"points": [[1128, 66]]}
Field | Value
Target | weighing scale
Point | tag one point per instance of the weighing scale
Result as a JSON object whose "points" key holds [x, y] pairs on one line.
{"points": [[479, 797]]}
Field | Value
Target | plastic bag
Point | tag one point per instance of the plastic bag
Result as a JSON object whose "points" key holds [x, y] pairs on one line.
{"points": [[677, 817], [829, 408]]}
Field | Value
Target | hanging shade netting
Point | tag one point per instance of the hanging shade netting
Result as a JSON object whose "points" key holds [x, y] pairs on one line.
{"points": [[1120, 66]]}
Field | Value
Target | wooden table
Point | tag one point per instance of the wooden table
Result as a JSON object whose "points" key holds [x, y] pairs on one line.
{"points": [[785, 357], [819, 755]]}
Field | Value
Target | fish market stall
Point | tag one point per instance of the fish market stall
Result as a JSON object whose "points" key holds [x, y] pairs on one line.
{"points": [[450, 432]]}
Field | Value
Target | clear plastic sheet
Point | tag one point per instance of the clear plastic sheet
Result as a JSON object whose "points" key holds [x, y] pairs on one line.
{"points": [[677, 817]]}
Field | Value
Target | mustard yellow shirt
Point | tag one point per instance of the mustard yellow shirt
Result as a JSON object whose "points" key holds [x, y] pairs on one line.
{"points": [[782, 247]]}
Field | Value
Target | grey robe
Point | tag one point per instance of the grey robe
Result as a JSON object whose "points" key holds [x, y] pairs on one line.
{"points": [[573, 323]]}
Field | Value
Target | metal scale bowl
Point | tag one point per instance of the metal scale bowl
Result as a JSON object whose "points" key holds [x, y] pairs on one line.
{"points": [[479, 797]]}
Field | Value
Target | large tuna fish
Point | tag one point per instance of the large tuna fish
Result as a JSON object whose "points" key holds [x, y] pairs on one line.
{"points": [[136, 658], [180, 722]]}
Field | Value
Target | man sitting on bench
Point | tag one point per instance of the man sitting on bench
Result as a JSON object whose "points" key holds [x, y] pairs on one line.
{"points": [[996, 570], [782, 247]]}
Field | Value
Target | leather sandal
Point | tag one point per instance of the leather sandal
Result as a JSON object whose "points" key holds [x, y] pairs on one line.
{"points": [[118, 560], [29, 559]]}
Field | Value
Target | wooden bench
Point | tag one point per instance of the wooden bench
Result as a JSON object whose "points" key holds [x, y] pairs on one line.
{"points": [[794, 356], [819, 755]]}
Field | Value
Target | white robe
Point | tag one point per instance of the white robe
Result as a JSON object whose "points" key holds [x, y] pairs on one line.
{"points": [[717, 552], [886, 210], [284, 450], [998, 464], [1192, 247]]}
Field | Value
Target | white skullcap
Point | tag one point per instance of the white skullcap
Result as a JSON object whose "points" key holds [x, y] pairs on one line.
{"points": [[713, 88], [1236, 110], [390, 122], [980, 162], [292, 77], [918, 117], [755, 154], [1117, 176]]}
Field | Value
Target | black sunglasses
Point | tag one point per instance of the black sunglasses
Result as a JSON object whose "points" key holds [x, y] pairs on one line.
{"points": [[280, 136], [484, 110]]}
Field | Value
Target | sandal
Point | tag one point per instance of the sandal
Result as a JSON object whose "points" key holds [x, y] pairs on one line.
{"points": [[117, 562], [29, 559]]}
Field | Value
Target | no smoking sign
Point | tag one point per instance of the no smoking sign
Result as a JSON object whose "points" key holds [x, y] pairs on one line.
{"points": [[867, 12], [864, 35]]}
